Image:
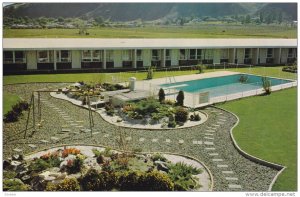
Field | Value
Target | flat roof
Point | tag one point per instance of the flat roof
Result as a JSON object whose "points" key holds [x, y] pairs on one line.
{"points": [[96, 43]]}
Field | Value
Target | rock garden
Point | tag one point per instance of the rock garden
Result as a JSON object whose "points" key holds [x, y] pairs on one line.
{"points": [[209, 142], [87, 168]]}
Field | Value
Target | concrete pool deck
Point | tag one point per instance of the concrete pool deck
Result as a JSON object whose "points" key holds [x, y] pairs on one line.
{"points": [[195, 100]]}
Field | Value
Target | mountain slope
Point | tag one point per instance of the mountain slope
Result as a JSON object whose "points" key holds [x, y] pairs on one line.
{"points": [[289, 10]]}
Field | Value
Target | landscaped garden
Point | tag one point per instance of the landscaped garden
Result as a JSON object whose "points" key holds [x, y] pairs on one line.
{"points": [[209, 142], [71, 169]]}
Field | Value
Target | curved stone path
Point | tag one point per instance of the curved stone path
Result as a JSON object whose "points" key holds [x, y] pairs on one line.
{"points": [[210, 142]]}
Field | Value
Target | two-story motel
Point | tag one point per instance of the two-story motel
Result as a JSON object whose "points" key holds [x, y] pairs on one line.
{"points": [[68, 54]]}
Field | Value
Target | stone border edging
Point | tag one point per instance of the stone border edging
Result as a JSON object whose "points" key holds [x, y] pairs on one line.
{"points": [[103, 146], [279, 167], [113, 123]]}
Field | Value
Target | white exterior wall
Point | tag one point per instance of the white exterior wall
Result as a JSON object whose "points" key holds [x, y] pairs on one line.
{"points": [[76, 59], [262, 55], [240, 55], [146, 55], [216, 57], [174, 57], [284, 55], [117, 59], [31, 60]]}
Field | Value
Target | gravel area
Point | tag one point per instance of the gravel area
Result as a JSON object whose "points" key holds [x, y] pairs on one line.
{"points": [[209, 142]]}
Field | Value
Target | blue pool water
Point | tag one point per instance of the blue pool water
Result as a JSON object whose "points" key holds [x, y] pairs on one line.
{"points": [[219, 86]]}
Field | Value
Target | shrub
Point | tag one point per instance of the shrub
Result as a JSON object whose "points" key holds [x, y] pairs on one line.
{"points": [[266, 84], [161, 95], [9, 174], [110, 110], [129, 181], [11, 116], [200, 68], [243, 79], [150, 73], [171, 122], [146, 106], [14, 185], [39, 165], [197, 117], [158, 157], [181, 174], [70, 184], [181, 115], [155, 181], [95, 181], [169, 102], [180, 98], [74, 166], [127, 108]]}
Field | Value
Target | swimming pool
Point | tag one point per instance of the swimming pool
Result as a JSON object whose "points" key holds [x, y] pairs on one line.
{"points": [[225, 85]]}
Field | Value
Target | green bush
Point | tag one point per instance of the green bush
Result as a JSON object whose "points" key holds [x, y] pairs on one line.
{"points": [[70, 184], [200, 68], [16, 111], [11, 116], [75, 165], [39, 165], [110, 110], [15, 185], [146, 106], [161, 95], [171, 122], [129, 181], [158, 157], [7, 174], [95, 181], [150, 73], [180, 98], [181, 115], [197, 117], [155, 181], [181, 175], [266, 84]]}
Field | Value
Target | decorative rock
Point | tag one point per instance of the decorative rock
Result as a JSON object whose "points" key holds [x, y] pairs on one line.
{"points": [[154, 140], [26, 178], [210, 148], [32, 146], [168, 140], [213, 154], [119, 120], [54, 139], [17, 157], [209, 138], [15, 165], [210, 134], [142, 139], [161, 166], [181, 141]]}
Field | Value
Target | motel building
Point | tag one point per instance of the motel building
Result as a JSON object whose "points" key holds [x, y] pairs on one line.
{"points": [[22, 55]]}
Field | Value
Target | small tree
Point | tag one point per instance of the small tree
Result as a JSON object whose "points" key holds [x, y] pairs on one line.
{"points": [[150, 73], [266, 84], [180, 98], [161, 95], [200, 68]]}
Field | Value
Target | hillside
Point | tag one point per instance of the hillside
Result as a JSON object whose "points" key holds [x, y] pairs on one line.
{"points": [[144, 11]]}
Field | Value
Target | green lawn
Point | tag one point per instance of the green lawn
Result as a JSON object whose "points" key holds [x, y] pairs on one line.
{"points": [[123, 76], [200, 31], [268, 130], [8, 101]]}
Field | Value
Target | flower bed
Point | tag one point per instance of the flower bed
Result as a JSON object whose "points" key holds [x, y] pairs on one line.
{"points": [[152, 114], [98, 169], [92, 90]]}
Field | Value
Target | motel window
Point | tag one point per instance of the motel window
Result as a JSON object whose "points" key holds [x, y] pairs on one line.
{"points": [[86, 55], [269, 53], [247, 53], [109, 56], [192, 54], [290, 53], [209, 54], [168, 57], [96, 55], [182, 54], [155, 55], [43, 57], [63, 56], [8, 56], [126, 55], [139, 55], [199, 54], [224, 53]]}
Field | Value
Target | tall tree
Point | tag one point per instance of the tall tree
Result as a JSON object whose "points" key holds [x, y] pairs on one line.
{"points": [[261, 17]]}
